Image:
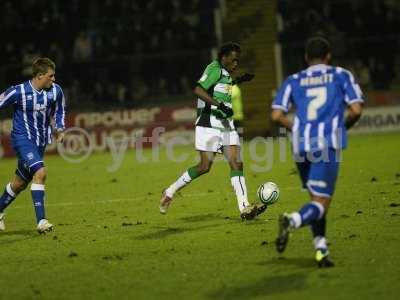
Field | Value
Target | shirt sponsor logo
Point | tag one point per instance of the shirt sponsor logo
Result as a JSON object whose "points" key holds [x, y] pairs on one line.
{"points": [[29, 97], [223, 88], [40, 107]]}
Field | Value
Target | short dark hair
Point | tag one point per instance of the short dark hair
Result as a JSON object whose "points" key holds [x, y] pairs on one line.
{"points": [[317, 47], [41, 65], [228, 48]]}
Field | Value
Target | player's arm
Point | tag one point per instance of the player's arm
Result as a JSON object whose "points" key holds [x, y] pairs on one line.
{"points": [[354, 114], [200, 92], [243, 78], [280, 117], [209, 79], [203, 95], [59, 116], [8, 97], [281, 105], [353, 97]]}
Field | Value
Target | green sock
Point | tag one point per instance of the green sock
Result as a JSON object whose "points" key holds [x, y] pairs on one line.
{"points": [[193, 172], [235, 173]]}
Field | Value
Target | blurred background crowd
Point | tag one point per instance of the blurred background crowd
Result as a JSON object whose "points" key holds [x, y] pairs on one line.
{"points": [[120, 52], [125, 53], [365, 35]]}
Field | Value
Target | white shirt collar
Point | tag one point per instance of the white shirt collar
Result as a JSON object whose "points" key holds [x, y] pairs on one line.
{"points": [[318, 67], [315, 68], [39, 92]]}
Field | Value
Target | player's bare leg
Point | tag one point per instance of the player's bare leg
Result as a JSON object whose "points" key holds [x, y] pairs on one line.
{"points": [[38, 195], [11, 191], [203, 167]]}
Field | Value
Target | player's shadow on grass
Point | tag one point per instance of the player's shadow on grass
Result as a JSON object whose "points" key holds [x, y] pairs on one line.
{"points": [[23, 232], [165, 232], [300, 262], [269, 285], [202, 218], [160, 234], [19, 235], [218, 217]]}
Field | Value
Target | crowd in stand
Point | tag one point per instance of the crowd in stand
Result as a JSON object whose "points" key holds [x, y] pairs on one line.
{"points": [[111, 50], [364, 34]]}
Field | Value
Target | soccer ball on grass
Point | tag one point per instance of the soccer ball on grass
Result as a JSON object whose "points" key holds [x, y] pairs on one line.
{"points": [[268, 193]]}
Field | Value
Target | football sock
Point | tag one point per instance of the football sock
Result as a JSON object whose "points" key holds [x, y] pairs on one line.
{"points": [[320, 243], [239, 185], [37, 191], [7, 197], [309, 213], [185, 179], [318, 227]]}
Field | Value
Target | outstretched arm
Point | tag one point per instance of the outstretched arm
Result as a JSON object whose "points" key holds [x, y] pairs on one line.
{"points": [[243, 78]]}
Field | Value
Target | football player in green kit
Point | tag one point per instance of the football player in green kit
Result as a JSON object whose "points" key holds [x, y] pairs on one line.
{"points": [[215, 131]]}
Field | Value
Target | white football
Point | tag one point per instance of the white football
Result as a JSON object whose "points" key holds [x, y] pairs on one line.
{"points": [[268, 193]]}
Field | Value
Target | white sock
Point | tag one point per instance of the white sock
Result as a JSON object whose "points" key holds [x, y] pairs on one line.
{"points": [[177, 185], [320, 242], [239, 185], [10, 191], [295, 220]]}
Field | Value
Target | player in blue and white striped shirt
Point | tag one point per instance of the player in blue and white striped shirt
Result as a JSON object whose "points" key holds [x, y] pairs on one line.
{"points": [[320, 95], [35, 103]]}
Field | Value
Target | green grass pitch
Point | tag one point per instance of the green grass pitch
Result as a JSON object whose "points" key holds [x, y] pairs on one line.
{"points": [[110, 242]]}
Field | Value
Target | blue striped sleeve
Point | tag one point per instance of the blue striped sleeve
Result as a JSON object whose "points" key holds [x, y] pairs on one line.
{"points": [[283, 97], [59, 114], [351, 89], [8, 97]]}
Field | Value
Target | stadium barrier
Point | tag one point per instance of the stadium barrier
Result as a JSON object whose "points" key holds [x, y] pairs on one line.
{"points": [[96, 132], [378, 119], [149, 127]]}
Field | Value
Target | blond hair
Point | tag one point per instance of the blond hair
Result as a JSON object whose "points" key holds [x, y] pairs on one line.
{"points": [[41, 65]]}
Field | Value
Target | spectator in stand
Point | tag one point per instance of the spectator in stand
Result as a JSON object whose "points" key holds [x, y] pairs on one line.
{"points": [[117, 32], [362, 74], [29, 54], [358, 31], [83, 48], [381, 78]]}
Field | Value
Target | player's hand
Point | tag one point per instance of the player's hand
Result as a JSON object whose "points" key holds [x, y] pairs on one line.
{"points": [[245, 77], [226, 111], [59, 136]]}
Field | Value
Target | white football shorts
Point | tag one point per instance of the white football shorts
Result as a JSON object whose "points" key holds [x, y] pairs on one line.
{"points": [[212, 140]]}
